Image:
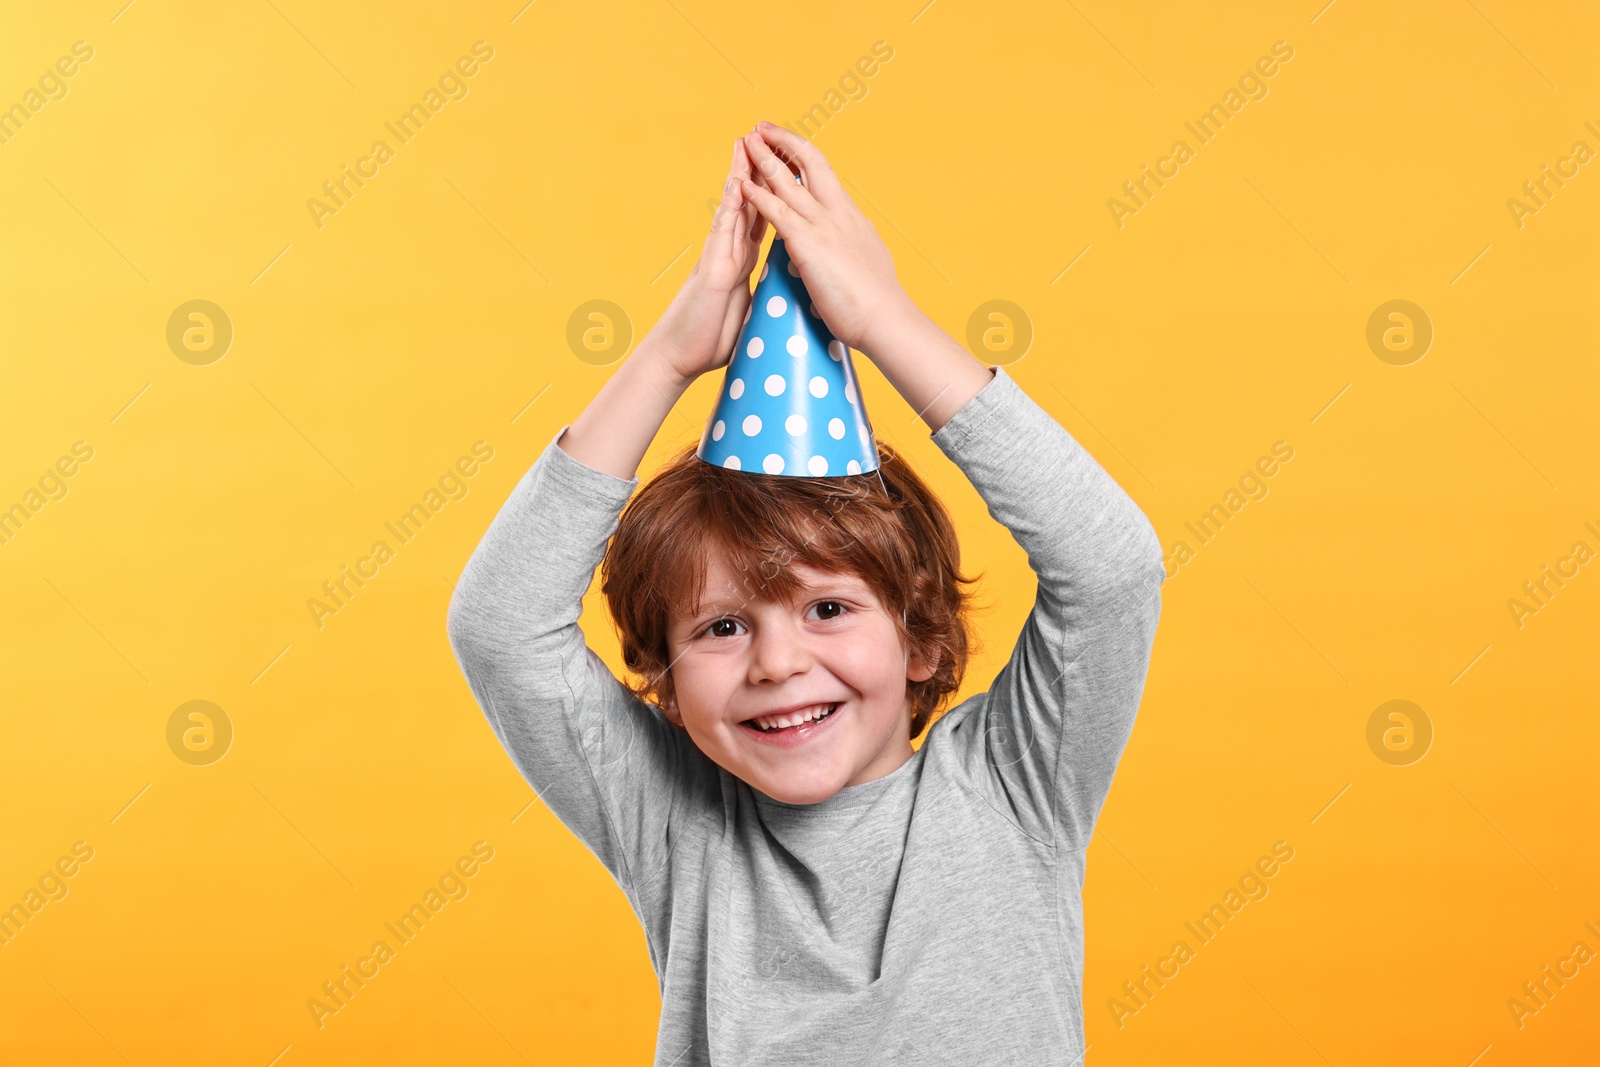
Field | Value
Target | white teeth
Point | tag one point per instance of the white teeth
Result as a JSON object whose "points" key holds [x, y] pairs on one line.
{"points": [[779, 722]]}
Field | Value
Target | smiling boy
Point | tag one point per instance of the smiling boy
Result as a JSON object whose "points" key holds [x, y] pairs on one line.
{"points": [[814, 889], [851, 722]]}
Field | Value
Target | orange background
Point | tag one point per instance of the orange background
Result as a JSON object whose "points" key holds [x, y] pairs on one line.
{"points": [[430, 313]]}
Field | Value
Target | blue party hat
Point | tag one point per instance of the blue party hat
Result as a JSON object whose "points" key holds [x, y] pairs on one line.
{"points": [[790, 402]]}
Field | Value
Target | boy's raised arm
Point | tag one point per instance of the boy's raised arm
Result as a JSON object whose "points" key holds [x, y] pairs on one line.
{"points": [[1047, 736], [608, 765], [1052, 727], [611, 767]]}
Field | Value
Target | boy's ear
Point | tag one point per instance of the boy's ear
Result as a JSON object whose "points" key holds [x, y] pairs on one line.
{"points": [[917, 670], [670, 710]]}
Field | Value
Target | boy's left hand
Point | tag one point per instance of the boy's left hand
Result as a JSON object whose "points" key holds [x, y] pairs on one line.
{"points": [[843, 262]]}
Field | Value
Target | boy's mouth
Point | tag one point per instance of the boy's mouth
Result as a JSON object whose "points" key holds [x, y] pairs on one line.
{"points": [[795, 726]]}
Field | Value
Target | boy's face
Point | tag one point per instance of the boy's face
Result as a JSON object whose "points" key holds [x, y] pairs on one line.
{"points": [[738, 660]]}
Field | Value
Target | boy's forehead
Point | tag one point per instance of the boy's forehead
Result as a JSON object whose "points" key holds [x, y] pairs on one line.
{"points": [[723, 585]]}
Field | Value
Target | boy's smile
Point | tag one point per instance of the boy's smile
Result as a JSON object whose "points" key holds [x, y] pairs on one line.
{"points": [[753, 681]]}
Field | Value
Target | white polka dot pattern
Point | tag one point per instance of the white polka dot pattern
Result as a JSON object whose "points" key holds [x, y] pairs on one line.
{"points": [[801, 416]]}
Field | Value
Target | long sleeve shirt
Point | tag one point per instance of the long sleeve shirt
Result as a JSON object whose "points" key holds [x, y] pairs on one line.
{"points": [[933, 915]]}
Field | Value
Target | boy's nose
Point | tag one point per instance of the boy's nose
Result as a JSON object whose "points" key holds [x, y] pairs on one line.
{"points": [[777, 652]]}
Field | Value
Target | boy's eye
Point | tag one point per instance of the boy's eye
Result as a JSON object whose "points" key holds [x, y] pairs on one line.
{"points": [[715, 632], [718, 627], [831, 603]]}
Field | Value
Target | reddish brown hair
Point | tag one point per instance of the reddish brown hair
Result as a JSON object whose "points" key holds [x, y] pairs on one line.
{"points": [[893, 534]]}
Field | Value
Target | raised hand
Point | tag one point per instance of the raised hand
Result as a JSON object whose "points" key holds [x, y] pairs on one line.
{"points": [[843, 262], [697, 331]]}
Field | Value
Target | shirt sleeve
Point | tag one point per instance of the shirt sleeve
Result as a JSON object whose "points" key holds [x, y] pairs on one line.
{"points": [[1044, 741], [611, 767]]}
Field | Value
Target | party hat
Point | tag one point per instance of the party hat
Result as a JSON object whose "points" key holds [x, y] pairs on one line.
{"points": [[790, 403]]}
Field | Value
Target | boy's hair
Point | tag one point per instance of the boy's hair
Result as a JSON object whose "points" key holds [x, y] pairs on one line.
{"points": [[903, 545]]}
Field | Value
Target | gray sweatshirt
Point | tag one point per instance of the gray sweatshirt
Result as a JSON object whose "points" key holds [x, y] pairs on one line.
{"points": [[931, 916]]}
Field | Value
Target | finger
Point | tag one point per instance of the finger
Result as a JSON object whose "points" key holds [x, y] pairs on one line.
{"points": [[752, 227], [779, 178], [736, 226], [738, 210], [757, 229], [725, 220], [741, 160], [808, 159], [785, 219]]}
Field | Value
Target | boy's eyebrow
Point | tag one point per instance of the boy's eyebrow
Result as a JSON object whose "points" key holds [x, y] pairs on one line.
{"points": [[840, 581]]}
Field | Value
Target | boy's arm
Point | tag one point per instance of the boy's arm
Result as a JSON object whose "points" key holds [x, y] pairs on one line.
{"points": [[1052, 727], [608, 765], [1055, 721], [611, 767]]}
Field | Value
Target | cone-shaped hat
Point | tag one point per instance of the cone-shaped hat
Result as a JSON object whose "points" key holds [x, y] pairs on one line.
{"points": [[790, 402]]}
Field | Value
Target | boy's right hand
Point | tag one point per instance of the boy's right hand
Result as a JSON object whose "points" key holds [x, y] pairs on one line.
{"points": [[697, 332]]}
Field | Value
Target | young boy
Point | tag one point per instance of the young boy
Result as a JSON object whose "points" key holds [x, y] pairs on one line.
{"points": [[813, 889]]}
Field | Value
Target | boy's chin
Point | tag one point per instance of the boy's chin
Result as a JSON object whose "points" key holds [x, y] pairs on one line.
{"points": [[811, 788]]}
